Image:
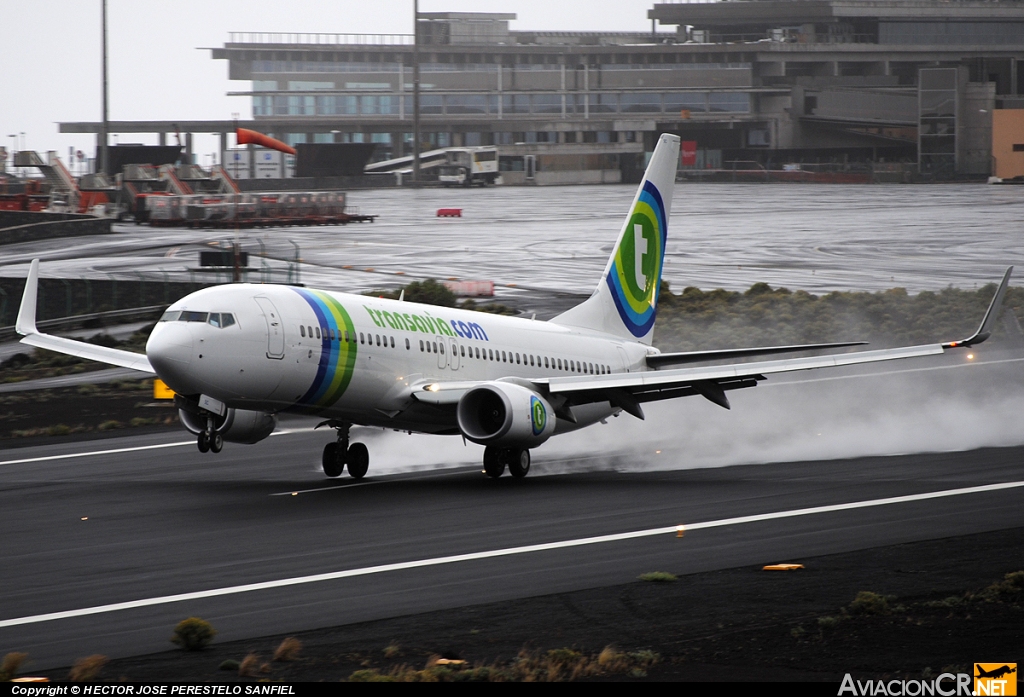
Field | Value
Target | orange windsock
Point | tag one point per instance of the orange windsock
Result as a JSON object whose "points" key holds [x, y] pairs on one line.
{"points": [[246, 136]]}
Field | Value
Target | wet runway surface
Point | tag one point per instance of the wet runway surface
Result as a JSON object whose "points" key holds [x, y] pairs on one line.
{"points": [[142, 518], [813, 237]]}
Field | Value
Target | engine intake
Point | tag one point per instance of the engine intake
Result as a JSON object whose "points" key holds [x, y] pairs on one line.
{"points": [[500, 413], [236, 426]]}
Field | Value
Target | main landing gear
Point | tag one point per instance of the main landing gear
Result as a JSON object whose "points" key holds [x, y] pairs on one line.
{"points": [[497, 459], [339, 454], [209, 440]]}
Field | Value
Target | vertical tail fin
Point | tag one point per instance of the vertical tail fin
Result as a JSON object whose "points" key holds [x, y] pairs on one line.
{"points": [[626, 300]]}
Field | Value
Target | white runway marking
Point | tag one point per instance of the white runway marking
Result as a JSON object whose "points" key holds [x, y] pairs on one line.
{"points": [[509, 551], [113, 451]]}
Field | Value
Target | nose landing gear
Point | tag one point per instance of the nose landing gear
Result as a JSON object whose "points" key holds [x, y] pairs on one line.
{"points": [[340, 453], [209, 440]]}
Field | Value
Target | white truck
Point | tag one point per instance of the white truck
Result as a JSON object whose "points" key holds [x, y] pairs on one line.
{"points": [[469, 166]]}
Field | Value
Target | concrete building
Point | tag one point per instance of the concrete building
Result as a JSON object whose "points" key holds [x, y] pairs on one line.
{"points": [[765, 81]]}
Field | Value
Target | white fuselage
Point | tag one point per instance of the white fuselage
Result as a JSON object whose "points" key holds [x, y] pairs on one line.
{"points": [[358, 358]]}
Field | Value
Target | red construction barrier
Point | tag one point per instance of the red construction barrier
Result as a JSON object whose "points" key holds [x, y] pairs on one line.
{"points": [[449, 212]]}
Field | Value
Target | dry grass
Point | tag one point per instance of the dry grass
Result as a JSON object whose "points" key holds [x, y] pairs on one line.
{"points": [[392, 650], [86, 669], [556, 665], [11, 665], [659, 577], [288, 650], [249, 667]]}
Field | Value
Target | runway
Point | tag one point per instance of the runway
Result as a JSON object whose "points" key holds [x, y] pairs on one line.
{"points": [[131, 519]]}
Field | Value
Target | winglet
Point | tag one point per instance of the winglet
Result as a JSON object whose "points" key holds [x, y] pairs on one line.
{"points": [[26, 323], [985, 330]]}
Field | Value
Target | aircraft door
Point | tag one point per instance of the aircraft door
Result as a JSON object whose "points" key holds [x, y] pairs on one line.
{"points": [[275, 327], [624, 357], [442, 353], [453, 347]]}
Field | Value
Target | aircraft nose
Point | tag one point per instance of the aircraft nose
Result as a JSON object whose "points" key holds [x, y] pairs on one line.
{"points": [[169, 350]]}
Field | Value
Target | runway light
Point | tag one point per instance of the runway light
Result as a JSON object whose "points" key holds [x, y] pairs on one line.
{"points": [[295, 493], [970, 356], [85, 517], [680, 530], [782, 567], [657, 452]]}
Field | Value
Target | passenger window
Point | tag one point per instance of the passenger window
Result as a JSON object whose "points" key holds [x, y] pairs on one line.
{"points": [[310, 330], [430, 350], [462, 351], [361, 338], [442, 347], [421, 345], [378, 339], [318, 332], [392, 342], [407, 346], [545, 361], [302, 330], [478, 353], [559, 363], [490, 355], [517, 359]]}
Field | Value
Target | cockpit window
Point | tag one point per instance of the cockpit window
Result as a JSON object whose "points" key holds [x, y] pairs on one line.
{"points": [[226, 319], [190, 316], [170, 316], [215, 319]]}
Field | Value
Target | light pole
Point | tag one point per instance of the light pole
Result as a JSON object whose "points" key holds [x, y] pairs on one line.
{"points": [[416, 92], [103, 162], [14, 148]]}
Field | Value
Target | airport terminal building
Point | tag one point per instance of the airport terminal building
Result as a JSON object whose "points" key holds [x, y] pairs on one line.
{"points": [[754, 83]]}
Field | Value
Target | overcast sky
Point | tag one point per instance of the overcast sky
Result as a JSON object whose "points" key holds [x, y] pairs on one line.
{"points": [[50, 64]]}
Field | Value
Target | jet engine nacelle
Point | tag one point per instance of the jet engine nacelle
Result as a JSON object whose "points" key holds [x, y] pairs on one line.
{"points": [[237, 426], [501, 413]]}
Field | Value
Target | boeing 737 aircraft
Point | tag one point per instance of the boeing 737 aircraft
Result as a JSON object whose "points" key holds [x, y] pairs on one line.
{"points": [[237, 355]]}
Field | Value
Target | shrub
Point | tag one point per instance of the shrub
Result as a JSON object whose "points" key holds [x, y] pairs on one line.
{"points": [[659, 577], [827, 622], [868, 603], [11, 665], [110, 425], [193, 634], [228, 664], [288, 650], [1012, 586], [392, 650], [86, 669]]}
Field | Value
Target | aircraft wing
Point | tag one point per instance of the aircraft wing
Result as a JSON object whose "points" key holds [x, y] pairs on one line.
{"points": [[26, 326], [628, 390]]}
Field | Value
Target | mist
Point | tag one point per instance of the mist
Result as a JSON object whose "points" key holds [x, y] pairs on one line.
{"points": [[936, 405]]}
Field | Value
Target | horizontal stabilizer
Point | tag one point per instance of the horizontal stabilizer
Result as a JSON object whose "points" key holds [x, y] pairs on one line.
{"points": [[666, 359]]}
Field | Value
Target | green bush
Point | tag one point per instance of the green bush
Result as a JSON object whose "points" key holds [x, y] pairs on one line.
{"points": [[868, 603], [193, 634]]}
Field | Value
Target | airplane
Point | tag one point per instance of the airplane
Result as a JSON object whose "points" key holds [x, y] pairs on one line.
{"points": [[238, 355]]}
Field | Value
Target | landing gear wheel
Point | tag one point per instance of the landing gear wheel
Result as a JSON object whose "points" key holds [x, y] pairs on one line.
{"points": [[494, 462], [203, 442], [332, 462], [358, 460], [518, 462], [216, 443]]}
